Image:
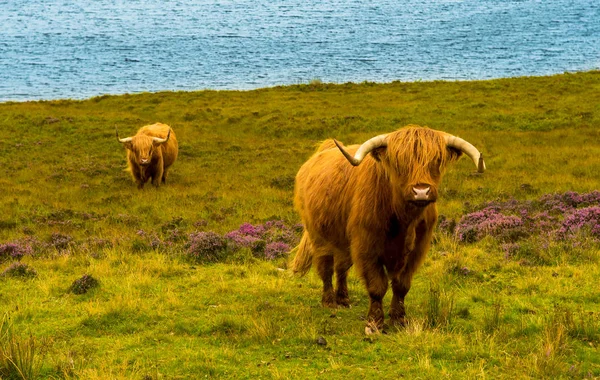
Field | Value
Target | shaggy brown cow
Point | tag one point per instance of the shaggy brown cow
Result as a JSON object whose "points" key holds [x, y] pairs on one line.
{"points": [[379, 215], [150, 153]]}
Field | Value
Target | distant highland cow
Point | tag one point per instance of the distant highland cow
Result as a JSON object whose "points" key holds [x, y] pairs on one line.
{"points": [[150, 153], [378, 216]]}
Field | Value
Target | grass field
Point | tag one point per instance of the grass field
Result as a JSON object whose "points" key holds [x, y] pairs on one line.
{"points": [[521, 301]]}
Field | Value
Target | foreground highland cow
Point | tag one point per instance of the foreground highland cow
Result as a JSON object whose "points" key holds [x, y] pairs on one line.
{"points": [[378, 216], [150, 153]]}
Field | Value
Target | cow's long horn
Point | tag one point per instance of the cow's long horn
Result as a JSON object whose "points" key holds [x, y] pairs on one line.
{"points": [[125, 140], [468, 149], [158, 140], [363, 150]]}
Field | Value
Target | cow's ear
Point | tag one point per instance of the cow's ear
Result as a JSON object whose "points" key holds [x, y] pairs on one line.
{"points": [[378, 153]]}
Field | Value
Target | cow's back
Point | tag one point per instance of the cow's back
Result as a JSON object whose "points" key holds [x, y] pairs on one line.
{"points": [[322, 196]]}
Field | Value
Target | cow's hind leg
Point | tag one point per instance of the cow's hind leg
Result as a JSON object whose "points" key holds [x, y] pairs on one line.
{"points": [[376, 281], [325, 269], [341, 274]]}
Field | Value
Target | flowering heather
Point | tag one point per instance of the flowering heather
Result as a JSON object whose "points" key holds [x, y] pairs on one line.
{"points": [[271, 238], [565, 202], [582, 219], [276, 249], [489, 221], [559, 215], [240, 240], [60, 241], [206, 246], [14, 251], [19, 269]]}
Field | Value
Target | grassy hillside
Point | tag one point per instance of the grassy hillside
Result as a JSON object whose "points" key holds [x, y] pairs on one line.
{"points": [[476, 309]]}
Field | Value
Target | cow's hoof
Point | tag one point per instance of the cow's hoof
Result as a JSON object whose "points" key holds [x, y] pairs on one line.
{"points": [[343, 302], [398, 322], [328, 300], [372, 328]]}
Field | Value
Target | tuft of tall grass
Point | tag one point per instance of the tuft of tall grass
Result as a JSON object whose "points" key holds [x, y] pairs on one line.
{"points": [[492, 316], [439, 307], [549, 360], [20, 358]]}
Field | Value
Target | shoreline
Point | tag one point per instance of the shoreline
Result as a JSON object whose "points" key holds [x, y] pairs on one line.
{"points": [[315, 81]]}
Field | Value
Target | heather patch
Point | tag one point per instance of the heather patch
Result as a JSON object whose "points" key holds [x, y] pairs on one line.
{"points": [[60, 241], [14, 251], [19, 270], [206, 247], [276, 249], [585, 220], [566, 202], [83, 284], [552, 216], [98, 243], [269, 240]]}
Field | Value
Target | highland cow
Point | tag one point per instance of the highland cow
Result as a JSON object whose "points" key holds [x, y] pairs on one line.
{"points": [[150, 153], [378, 216]]}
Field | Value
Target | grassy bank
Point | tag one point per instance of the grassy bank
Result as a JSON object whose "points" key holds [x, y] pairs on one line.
{"points": [[476, 310]]}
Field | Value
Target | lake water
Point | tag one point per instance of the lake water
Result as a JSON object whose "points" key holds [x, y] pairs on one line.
{"points": [[78, 49]]}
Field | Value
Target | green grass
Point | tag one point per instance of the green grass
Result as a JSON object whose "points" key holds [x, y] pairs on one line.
{"points": [[156, 315]]}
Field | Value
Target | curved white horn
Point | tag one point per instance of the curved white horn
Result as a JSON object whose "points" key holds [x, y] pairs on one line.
{"points": [[468, 149], [363, 150], [125, 140], [158, 140]]}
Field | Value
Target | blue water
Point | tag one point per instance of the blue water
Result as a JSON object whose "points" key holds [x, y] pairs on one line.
{"points": [[77, 49]]}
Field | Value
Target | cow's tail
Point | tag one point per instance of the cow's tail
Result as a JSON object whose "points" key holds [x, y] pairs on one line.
{"points": [[303, 255]]}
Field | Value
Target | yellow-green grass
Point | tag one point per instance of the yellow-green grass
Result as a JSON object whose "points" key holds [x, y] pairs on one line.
{"points": [[155, 315]]}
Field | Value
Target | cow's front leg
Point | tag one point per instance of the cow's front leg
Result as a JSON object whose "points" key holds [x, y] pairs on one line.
{"points": [[158, 171], [400, 287], [156, 178], [138, 175], [417, 245]]}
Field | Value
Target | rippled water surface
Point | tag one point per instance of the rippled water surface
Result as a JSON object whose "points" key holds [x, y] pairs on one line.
{"points": [[77, 49]]}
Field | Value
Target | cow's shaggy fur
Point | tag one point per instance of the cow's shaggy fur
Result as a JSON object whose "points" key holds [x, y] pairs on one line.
{"points": [[149, 160], [361, 215]]}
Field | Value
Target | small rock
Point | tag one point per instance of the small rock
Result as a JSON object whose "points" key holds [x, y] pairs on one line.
{"points": [[321, 341]]}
